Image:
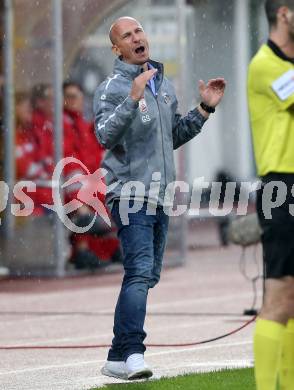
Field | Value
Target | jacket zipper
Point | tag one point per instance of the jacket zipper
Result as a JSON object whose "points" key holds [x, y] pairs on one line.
{"points": [[163, 153]]}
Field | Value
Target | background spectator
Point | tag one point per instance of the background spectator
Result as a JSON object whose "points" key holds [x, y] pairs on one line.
{"points": [[100, 244], [42, 127]]}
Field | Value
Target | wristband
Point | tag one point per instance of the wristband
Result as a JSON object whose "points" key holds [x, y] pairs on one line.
{"points": [[207, 108]]}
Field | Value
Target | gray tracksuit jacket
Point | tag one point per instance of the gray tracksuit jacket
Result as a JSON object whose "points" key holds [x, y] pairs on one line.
{"points": [[140, 137]]}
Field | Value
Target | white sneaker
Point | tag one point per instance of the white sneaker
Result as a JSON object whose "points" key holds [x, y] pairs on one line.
{"points": [[137, 368], [115, 369]]}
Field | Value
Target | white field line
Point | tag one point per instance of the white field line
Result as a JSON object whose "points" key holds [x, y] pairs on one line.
{"points": [[153, 330], [91, 291], [94, 362], [231, 297], [102, 381], [200, 348], [51, 367], [224, 363], [31, 297], [181, 303], [47, 295], [171, 371], [39, 318]]}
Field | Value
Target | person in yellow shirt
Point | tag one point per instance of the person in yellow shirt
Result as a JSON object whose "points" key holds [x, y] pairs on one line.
{"points": [[271, 106]]}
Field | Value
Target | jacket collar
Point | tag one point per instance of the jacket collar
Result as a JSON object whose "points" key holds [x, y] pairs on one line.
{"points": [[132, 71]]}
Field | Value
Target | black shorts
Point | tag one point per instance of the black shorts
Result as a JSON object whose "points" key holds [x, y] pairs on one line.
{"points": [[278, 232]]}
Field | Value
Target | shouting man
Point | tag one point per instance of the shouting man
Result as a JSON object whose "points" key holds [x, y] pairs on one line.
{"points": [[136, 119]]}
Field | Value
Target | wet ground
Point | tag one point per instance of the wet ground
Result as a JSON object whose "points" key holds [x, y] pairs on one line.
{"points": [[203, 299]]}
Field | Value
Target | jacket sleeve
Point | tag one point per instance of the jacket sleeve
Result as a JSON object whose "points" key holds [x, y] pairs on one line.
{"points": [[112, 119], [186, 128]]}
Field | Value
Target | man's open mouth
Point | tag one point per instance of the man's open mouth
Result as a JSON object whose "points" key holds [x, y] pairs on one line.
{"points": [[140, 50]]}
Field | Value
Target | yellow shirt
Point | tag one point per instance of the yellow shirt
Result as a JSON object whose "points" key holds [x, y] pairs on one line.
{"points": [[272, 119]]}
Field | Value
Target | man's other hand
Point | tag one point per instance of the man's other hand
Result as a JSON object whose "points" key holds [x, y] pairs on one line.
{"points": [[139, 84], [212, 92]]}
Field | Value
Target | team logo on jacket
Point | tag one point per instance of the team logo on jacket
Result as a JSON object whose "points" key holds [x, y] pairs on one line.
{"points": [[143, 106], [166, 98]]}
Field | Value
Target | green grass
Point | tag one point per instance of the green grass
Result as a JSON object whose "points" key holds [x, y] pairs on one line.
{"points": [[242, 379]]}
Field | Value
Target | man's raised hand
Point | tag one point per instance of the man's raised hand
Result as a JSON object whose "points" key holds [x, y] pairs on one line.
{"points": [[212, 92], [139, 84]]}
